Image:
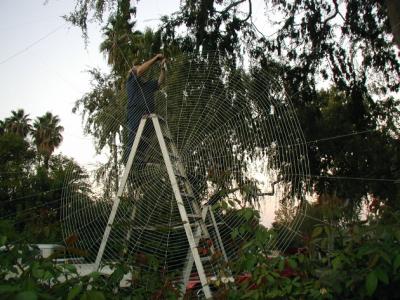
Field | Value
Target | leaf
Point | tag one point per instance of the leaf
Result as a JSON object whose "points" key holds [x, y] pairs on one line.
{"points": [[337, 263], [316, 232], [231, 203], [47, 275], [93, 295], [247, 245], [281, 265], [70, 268], [95, 274], [385, 256], [8, 289], [292, 263], [74, 292], [117, 275], [235, 233], [397, 235], [371, 283], [382, 276], [396, 262], [3, 240], [373, 260], [26, 295], [250, 262], [248, 214]]}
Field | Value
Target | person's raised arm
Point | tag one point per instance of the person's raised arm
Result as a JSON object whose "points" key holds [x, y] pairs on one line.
{"points": [[139, 70], [161, 78]]}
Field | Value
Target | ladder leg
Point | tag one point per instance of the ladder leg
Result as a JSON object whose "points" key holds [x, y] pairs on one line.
{"points": [[182, 210], [189, 258], [119, 193], [189, 262], [221, 244], [129, 233]]}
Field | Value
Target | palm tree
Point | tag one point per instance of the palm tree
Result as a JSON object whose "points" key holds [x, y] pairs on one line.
{"points": [[2, 127], [18, 123], [47, 135], [118, 44]]}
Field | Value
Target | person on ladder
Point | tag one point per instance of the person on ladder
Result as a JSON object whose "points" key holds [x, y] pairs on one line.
{"points": [[141, 101]]}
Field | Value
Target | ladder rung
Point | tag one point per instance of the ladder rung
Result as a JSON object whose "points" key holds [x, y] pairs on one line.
{"points": [[205, 258], [173, 156], [194, 216], [180, 176], [187, 195], [167, 137]]}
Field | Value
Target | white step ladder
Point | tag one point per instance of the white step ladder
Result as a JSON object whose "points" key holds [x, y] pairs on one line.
{"points": [[199, 238]]}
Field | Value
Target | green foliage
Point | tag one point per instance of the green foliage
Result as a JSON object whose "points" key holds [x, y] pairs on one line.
{"points": [[25, 275], [362, 264], [47, 135], [31, 191], [356, 155]]}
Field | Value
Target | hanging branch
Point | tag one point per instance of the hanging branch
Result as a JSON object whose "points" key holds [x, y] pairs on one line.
{"points": [[234, 4], [272, 192]]}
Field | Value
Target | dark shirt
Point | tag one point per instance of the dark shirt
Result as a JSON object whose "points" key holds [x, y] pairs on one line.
{"points": [[140, 99], [141, 93]]}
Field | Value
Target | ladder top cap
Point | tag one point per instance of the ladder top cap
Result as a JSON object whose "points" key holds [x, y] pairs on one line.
{"points": [[152, 116]]}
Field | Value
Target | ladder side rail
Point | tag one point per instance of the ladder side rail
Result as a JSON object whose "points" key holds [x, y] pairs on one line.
{"points": [[187, 269], [129, 233], [220, 243], [195, 205], [119, 193], [189, 258], [181, 208]]}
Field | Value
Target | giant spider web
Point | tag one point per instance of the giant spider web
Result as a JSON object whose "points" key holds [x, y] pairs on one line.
{"points": [[241, 145]]}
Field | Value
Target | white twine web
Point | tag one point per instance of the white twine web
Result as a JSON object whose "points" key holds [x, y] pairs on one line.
{"points": [[240, 143]]}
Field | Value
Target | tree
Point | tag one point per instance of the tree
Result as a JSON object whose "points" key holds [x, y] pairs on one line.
{"points": [[345, 45], [32, 195], [349, 43], [103, 111], [119, 42], [393, 11], [47, 135], [18, 123], [211, 25], [2, 127]]}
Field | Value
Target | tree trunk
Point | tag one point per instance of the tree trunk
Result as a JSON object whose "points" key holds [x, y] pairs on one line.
{"points": [[393, 10]]}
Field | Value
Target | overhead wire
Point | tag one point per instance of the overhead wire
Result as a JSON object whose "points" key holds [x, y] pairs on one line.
{"points": [[32, 44]]}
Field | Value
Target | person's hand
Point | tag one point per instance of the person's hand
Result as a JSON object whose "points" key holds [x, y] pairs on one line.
{"points": [[159, 56]]}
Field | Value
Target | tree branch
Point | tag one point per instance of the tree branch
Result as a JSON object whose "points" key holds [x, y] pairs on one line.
{"points": [[231, 6], [334, 15], [272, 192], [249, 15], [220, 195], [236, 3]]}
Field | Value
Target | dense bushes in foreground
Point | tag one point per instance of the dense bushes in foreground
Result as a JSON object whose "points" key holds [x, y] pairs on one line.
{"points": [[361, 261]]}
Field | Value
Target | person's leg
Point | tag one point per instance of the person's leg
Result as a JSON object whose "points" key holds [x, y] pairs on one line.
{"points": [[132, 125]]}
